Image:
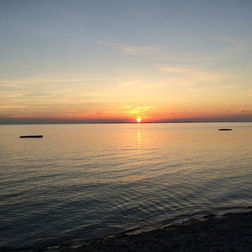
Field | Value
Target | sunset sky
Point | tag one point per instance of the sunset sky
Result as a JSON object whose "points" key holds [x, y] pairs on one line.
{"points": [[117, 60]]}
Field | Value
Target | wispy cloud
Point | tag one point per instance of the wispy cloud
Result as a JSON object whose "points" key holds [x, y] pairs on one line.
{"points": [[139, 110], [128, 83], [190, 76], [233, 41], [135, 50], [138, 50], [165, 53], [39, 80], [45, 87], [37, 94]]}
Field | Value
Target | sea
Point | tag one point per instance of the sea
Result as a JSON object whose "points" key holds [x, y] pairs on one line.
{"points": [[82, 181]]}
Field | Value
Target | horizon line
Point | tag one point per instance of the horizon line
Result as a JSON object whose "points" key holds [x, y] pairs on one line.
{"points": [[120, 122]]}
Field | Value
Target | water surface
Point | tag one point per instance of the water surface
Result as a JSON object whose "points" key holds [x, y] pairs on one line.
{"points": [[88, 180]]}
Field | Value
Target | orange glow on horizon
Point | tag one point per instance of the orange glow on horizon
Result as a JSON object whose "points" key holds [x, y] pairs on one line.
{"points": [[110, 113]]}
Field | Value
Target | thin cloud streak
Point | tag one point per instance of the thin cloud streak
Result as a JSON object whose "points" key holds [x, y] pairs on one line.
{"points": [[134, 50]]}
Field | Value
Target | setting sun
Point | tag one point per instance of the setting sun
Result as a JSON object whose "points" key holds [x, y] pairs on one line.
{"points": [[139, 119]]}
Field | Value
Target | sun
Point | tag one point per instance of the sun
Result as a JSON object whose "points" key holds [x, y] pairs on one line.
{"points": [[138, 119]]}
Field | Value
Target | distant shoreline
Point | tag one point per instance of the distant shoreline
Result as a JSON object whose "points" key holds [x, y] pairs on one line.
{"points": [[56, 123]]}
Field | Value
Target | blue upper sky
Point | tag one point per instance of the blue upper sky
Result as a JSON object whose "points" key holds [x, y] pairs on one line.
{"points": [[180, 47]]}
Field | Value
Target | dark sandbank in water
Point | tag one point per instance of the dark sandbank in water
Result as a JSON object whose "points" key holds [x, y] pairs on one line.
{"points": [[229, 232], [32, 136]]}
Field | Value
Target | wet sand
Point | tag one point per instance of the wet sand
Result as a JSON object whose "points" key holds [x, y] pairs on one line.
{"points": [[230, 232]]}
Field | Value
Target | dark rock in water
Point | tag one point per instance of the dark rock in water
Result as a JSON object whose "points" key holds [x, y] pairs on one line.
{"points": [[225, 129], [32, 136]]}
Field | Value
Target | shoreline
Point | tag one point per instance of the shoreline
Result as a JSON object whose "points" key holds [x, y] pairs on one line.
{"points": [[227, 232]]}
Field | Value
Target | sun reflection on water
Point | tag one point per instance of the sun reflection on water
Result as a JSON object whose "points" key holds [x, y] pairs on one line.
{"points": [[139, 138]]}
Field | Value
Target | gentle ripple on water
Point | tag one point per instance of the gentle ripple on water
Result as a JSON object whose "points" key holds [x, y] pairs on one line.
{"points": [[84, 181]]}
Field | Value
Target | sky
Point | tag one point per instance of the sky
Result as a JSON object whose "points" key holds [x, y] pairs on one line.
{"points": [[116, 60]]}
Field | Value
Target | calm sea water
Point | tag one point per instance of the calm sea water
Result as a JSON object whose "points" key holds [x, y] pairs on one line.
{"points": [[84, 181]]}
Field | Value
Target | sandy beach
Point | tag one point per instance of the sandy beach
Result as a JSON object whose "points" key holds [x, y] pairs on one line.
{"points": [[229, 232]]}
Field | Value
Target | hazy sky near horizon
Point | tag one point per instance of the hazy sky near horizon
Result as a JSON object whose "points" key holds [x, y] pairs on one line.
{"points": [[118, 60]]}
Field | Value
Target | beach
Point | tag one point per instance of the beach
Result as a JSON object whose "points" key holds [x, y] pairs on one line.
{"points": [[229, 232]]}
